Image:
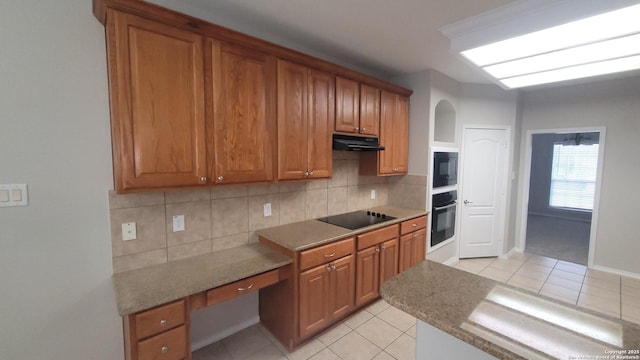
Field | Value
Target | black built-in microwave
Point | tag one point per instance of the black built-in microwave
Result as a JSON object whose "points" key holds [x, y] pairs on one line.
{"points": [[445, 168]]}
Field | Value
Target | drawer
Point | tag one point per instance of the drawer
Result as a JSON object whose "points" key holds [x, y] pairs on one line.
{"points": [[157, 320], [413, 224], [325, 253], [377, 236], [171, 345], [241, 287]]}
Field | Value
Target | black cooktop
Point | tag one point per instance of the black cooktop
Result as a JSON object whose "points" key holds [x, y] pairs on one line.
{"points": [[357, 219]]}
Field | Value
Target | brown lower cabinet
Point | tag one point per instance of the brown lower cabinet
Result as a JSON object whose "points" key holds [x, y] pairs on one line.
{"points": [[326, 293], [413, 243], [377, 260], [331, 281]]}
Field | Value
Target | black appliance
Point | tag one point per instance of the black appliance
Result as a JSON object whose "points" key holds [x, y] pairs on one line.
{"points": [[445, 168], [443, 221], [356, 143], [357, 219]]}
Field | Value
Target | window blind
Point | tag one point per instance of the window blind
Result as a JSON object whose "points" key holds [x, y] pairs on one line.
{"points": [[573, 176]]}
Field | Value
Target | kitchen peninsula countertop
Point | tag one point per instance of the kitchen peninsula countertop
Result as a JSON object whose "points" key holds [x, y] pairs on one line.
{"points": [[311, 233], [141, 289], [507, 322]]}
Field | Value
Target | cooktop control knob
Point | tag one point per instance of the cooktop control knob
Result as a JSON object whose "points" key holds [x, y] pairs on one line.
{"points": [[384, 216], [368, 212]]}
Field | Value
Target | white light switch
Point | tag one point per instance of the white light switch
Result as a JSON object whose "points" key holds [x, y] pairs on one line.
{"points": [[373, 194], [178, 223], [129, 231], [267, 209], [13, 195]]}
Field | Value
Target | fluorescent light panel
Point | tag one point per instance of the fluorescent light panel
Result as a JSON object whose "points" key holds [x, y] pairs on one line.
{"points": [[565, 52]]}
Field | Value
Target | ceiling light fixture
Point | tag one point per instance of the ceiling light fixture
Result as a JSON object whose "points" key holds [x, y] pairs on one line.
{"points": [[597, 45]]}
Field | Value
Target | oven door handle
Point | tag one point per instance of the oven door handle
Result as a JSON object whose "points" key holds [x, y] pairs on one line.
{"points": [[445, 207]]}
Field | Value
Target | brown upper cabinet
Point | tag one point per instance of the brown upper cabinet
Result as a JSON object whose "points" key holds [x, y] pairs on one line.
{"points": [[157, 104], [243, 108], [394, 136], [357, 108], [305, 118], [196, 104]]}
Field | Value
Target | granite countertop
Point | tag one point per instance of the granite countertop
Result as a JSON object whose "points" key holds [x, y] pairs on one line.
{"points": [[504, 321], [311, 233], [141, 289]]}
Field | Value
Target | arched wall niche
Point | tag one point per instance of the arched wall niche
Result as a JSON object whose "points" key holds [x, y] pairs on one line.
{"points": [[444, 122]]}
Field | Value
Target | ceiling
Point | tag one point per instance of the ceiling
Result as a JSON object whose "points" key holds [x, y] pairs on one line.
{"points": [[381, 37]]}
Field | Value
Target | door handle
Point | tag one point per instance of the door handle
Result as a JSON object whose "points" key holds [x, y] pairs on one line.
{"points": [[467, 202]]}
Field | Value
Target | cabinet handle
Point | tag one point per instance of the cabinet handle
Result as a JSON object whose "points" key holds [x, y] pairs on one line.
{"points": [[306, 174], [163, 323], [164, 349], [330, 267], [220, 178], [414, 225], [330, 255], [311, 173], [356, 129], [363, 129], [203, 179], [245, 289], [378, 249]]}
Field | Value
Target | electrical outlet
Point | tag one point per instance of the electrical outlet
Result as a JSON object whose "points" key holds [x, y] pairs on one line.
{"points": [[129, 231], [267, 209], [178, 223], [373, 194]]}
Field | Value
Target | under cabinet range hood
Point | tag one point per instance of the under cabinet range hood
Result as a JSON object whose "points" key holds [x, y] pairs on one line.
{"points": [[356, 143]]}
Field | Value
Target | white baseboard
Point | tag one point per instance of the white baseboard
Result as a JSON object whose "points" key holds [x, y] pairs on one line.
{"points": [[452, 261], [507, 255], [615, 271], [223, 334]]}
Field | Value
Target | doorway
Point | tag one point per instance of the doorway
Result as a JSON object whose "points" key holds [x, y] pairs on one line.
{"points": [[485, 156], [563, 183]]}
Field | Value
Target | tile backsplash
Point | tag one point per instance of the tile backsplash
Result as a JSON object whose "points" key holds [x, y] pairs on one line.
{"points": [[227, 216]]}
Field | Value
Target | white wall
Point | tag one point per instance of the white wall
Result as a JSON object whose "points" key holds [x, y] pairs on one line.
{"points": [[614, 104], [55, 262], [493, 106]]}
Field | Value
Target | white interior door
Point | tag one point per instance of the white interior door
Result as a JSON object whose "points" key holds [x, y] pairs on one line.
{"points": [[484, 179]]}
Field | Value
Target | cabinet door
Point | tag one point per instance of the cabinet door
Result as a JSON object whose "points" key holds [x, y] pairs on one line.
{"points": [[386, 161], [347, 105], [157, 104], [321, 117], [367, 274], [342, 290], [369, 110], [388, 259], [292, 121], [314, 304], [244, 119], [401, 135], [419, 246], [406, 247]]}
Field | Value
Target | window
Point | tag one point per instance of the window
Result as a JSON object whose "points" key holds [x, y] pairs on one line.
{"points": [[573, 176]]}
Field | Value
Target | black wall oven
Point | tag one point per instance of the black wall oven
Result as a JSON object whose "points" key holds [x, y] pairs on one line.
{"points": [[443, 220], [445, 168]]}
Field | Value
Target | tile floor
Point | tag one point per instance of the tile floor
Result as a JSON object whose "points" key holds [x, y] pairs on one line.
{"points": [[379, 332], [383, 332], [614, 295]]}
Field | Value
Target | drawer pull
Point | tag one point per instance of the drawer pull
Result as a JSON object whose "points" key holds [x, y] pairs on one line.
{"points": [[245, 289], [331, 267], [163, 323], [164, 349], [414, 224], [330, 255]]}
